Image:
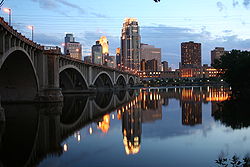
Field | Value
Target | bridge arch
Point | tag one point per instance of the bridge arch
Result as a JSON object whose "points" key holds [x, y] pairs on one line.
{"points": [[103, 80], [121, 81], [131, 81], [103, 101], [71, 78], [18, 76], [74, 112]]}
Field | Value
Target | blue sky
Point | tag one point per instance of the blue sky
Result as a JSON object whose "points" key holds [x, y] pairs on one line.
{"points": [[165, 24]]}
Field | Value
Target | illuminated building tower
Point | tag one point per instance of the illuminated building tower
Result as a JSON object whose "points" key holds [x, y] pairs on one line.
{"points": [[118, 57], [131, 127], [72, 48], [149, 52], [97, 57], [217, 53], [130, 44], [105, 45], [190, 55]]}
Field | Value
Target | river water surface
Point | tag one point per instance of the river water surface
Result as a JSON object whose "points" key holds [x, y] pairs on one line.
{"points": [[172, 127]]}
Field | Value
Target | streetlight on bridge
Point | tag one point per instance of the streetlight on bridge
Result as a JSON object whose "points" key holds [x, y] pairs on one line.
{"points": [[8, 10], [32, 32]]}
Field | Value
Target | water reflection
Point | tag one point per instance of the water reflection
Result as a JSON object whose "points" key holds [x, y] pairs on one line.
{"points": [[44, 130], [233, 112], [131, 127]]}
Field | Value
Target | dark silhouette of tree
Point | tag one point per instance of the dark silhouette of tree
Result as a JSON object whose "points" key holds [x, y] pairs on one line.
{"points": [[234, 112], [235, 67], [235, 161]]}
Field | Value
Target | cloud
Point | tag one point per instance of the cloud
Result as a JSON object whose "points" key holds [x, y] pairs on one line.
{"points": [[235, 3], [221, 6], [55, 5], [46, 4], [246, 3], [170, 39], [81, 10], [45, 39]]}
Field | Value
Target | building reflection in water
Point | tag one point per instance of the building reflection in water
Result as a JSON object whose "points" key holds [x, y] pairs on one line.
{"points": [[48, 127], [191, 107], [151, 106], [131, 127], [104, 124]]}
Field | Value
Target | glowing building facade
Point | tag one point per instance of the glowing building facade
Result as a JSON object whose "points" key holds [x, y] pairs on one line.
{"points": [[130, 44], [105, 45]]}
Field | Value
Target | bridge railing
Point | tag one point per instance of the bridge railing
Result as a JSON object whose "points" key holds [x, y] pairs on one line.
{"points": [[98, 65], [18, 35]]}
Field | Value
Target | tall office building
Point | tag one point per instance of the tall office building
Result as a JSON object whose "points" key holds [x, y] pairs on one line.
{"points": [[105, 45], [72, 48], [190, 55], [217, 53], [149, 52], [97, 57], [130, 44], [69, 38]]}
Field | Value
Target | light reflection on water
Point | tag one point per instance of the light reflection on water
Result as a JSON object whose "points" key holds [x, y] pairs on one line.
{"points": [[146, 127]]}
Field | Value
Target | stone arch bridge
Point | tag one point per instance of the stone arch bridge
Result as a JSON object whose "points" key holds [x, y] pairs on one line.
{"points": [[29, 71]]}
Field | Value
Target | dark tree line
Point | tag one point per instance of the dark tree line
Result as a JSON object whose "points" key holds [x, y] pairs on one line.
{"points": [[235, 67]]}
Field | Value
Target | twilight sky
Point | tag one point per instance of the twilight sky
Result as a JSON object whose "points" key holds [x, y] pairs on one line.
{"points": [[166, 24]]}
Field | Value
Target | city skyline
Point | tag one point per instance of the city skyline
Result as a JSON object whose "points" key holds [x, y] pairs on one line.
{"points": [[163, 24]]}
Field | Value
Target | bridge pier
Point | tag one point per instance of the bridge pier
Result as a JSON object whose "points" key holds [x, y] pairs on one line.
{"points": [[51, 92]]}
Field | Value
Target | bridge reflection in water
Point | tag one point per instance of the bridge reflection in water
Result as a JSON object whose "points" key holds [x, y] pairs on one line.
{"points": [[31, 133]]}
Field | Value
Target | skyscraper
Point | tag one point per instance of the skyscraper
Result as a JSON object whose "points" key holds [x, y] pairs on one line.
{"points": [[72, 48], [149, 52], [190, 55], [97, 57], [130, 44], [69, 38], [217, 53], [105, 45]]}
